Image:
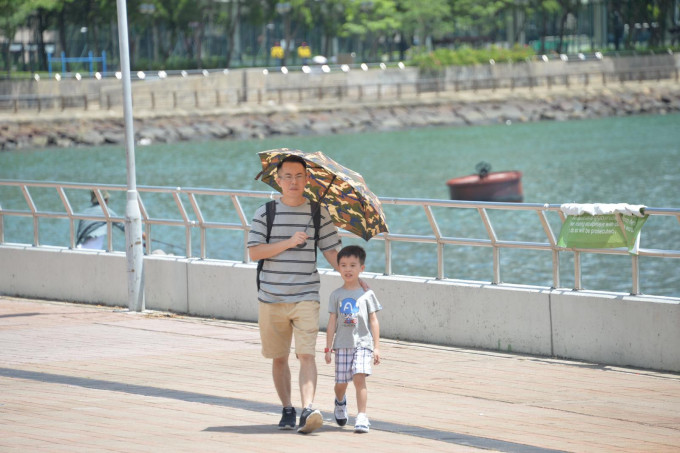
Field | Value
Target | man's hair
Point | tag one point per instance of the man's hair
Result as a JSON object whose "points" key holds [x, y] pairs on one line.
{"points": [[93, 196], [291, 158], [353, 250]]}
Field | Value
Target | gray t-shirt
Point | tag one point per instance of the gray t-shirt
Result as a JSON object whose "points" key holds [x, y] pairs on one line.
{"points": [[291, 276], [353, 307]]}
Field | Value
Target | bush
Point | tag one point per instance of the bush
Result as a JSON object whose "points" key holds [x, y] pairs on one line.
{"points": [[465, 56]]}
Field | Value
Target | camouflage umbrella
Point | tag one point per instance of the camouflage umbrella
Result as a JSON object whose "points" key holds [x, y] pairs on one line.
{"points": [[351, 204]]}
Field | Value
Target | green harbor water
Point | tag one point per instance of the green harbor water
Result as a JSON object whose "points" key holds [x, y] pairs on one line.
{"points": [[612, 160]]}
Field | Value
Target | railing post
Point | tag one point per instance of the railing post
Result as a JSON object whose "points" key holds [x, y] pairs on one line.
{"points": [[636, 274], [440, 261], [496, 265], [556, 268], [577, 271], [388, 256]]}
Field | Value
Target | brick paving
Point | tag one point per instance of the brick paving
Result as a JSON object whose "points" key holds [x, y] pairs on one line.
{"points": [[86, 378]]}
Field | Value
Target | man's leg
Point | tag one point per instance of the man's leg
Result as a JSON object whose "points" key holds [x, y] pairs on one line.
{"points": [[308, 376], [281, 376], [310, 419]]}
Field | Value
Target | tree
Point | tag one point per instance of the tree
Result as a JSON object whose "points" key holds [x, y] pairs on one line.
{"points": [[13, 14], [330, 16], [373, 22], [426, 19]]}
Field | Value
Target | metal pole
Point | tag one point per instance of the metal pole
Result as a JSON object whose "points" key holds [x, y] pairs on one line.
{"points": [[133, 219]]}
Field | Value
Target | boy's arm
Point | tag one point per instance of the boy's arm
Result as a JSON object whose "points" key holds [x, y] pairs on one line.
{"points": [[375, 332], [330, 333]]}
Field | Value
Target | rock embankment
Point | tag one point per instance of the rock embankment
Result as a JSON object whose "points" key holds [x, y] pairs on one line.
{"points": [[461, 110]]}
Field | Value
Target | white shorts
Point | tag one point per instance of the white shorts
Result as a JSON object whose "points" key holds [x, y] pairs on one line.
{"points": [[349, 362]]}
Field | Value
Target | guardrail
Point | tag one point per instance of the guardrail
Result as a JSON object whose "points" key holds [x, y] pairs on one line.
{"points": [[193, 219], [150, 99]]}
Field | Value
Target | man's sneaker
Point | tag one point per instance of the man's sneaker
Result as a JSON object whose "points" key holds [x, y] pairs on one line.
{"points": [[288, 417], [309, 421], [341, 412], [361, 424]]}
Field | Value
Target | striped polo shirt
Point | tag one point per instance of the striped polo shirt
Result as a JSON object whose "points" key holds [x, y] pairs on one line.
{"points": [[291, 276]]}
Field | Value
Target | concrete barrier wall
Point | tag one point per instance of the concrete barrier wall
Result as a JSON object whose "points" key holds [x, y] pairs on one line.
{"points": [[596, 327]]}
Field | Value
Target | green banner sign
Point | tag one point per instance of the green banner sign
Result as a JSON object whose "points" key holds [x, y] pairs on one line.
{"points": [[601, 231]]}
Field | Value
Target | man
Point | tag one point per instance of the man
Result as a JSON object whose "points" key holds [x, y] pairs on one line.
{"points": [[289, 288], [304, 53], [92, 233]]}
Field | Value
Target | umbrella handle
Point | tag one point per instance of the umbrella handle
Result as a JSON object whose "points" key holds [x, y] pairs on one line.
{"points": [[317, 208]]}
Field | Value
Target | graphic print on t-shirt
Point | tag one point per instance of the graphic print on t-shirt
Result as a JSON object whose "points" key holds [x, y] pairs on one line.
{"points": [[349, 309]]}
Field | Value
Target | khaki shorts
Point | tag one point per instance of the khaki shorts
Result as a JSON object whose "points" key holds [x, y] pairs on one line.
{"points": [[280, 322]]}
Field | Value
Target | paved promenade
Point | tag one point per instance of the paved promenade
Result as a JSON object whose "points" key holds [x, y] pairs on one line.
{"points": [[85, 378]]}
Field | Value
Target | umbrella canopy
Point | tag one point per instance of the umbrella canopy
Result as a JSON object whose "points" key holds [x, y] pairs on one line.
{"points": [[350, 202]]}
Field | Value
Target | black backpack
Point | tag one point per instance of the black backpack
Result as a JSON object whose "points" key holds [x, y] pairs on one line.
{"points": [[270, 208]]}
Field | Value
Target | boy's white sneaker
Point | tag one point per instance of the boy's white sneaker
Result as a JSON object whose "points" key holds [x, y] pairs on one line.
{"points": [[361, 423], [341, 412]]}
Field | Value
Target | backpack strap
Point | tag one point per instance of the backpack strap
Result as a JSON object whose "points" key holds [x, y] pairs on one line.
{"points": [[270, 209], [316, 219]]}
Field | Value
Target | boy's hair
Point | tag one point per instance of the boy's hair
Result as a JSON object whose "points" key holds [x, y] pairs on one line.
{"points": [[291, 158], [353, 250]]}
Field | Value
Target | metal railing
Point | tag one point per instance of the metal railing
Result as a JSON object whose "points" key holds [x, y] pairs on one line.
{"points": [[193, 219]]}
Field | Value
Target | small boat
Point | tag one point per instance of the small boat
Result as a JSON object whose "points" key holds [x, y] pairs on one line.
{"points": [[503, 186]]}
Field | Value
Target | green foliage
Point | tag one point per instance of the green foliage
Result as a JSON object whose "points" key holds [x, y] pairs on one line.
{"points": [[466, 56], [174, 63]]}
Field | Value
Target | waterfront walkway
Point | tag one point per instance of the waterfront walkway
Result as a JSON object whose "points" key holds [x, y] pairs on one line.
{"points": [[87, 378]]}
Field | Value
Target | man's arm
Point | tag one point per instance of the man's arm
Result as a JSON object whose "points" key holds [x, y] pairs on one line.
{"points": [[264, 251], [332, 258]]}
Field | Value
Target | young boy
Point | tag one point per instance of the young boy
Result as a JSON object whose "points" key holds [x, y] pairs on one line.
{"points": [[353, 332]]}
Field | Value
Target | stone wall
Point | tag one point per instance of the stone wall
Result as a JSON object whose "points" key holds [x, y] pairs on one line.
{"points": [[444, 109]]}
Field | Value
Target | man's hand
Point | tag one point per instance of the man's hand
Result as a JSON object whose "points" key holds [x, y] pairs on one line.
{"points": [[298, 239], [376, 356], [364, 285]]}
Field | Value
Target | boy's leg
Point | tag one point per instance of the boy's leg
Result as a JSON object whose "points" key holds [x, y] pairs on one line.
{"points": [[340, 403], [359, 380], [340, 390], [343, 374]]}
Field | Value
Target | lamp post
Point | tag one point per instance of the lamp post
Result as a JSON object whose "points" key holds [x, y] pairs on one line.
{"points": [[148, 9], [133, 216], [283, 8]]}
